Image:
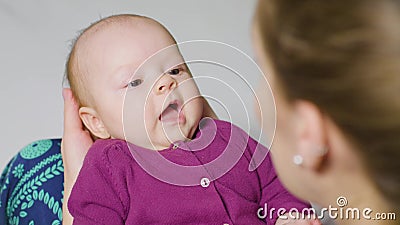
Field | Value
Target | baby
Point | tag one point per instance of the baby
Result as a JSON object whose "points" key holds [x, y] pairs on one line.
{"points": [[138, 103]]}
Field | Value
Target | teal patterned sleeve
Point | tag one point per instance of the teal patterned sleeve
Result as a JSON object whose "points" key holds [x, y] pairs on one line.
{"points": [[31, 185]]}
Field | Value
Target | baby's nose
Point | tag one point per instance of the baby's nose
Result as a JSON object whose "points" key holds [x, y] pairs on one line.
{"points": [[165, 84]]}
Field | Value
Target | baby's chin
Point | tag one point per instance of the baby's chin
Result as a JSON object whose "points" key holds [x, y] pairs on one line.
{"points": [[172, 135], [176, 135], [162, 139]]}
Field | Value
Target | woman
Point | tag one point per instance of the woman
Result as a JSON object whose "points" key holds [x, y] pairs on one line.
{"points": [[335, 72]]}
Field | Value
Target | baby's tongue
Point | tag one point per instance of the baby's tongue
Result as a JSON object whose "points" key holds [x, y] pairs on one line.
{"points": [[169, 114]]}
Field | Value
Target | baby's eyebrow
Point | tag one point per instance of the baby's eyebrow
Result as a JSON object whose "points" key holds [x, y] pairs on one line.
{"points": [[177, 66], [123, 74]]}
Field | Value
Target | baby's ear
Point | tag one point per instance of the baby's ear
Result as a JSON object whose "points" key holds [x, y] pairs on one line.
{"points": [[93, 122]]}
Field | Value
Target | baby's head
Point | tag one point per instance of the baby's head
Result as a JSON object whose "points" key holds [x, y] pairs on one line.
{"points": [[121, 85]]}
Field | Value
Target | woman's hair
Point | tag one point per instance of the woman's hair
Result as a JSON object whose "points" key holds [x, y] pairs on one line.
{"points": [[344, 56]]}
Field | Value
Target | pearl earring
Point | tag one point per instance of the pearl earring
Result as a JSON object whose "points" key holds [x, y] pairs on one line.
{"points": [[298, 160]]}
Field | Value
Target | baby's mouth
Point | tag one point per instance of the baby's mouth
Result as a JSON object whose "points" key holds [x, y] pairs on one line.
{"points": [[172, 113]]}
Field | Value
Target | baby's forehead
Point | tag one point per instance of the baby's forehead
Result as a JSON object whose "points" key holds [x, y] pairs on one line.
{"points": [[132, 22], [141, 30], [116, 42]]}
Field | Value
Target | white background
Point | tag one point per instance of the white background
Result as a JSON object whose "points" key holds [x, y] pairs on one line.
{"points": [[35, 38]]}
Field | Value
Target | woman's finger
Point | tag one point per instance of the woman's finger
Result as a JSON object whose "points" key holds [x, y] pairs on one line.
{"points": [[72, 122]]}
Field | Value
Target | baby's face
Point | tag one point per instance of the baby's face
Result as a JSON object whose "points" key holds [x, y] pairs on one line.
{"points": [[149, 103]]}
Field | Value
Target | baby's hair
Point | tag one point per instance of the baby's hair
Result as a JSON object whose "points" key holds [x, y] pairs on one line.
{"points": [[344, 57], [74, 72]]}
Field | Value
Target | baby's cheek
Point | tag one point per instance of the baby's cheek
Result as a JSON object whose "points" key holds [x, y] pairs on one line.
{"points": [[195, 108]]}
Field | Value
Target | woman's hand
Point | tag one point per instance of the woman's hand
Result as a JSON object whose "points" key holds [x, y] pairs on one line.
{"points": [[76, 140], [75, 143]]}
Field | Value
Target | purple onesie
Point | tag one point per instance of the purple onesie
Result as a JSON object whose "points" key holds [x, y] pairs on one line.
{"points": [[112, 188]]}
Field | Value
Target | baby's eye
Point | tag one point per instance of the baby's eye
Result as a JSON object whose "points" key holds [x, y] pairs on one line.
{"points": [[175, 71], [135, 83]]}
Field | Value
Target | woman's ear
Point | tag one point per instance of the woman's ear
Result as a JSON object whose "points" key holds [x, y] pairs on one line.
{"points": [[93, 123], [311, 135]]}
